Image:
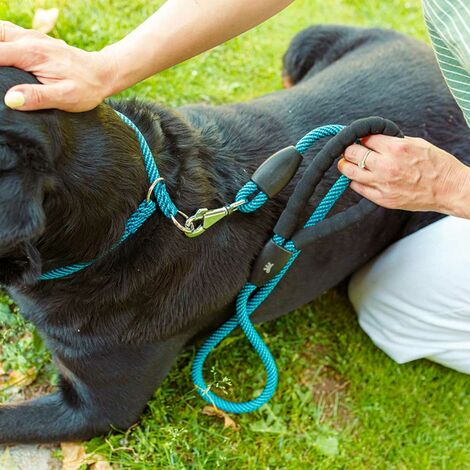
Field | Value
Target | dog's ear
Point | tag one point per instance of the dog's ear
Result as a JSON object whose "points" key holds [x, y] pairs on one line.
{"points": [[21, 193], [29, 143]]}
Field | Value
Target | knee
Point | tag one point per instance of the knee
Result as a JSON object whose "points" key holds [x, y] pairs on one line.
{"points": [[457, 359]]}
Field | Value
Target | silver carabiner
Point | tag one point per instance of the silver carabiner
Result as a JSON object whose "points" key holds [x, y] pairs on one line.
{"points": [[179, 226], [205, 218]]}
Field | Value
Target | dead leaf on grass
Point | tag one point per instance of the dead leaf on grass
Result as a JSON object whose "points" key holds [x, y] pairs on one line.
{"points": [[101, 465], [213, 411], [44, 20], [75, 456], [20, 379]]}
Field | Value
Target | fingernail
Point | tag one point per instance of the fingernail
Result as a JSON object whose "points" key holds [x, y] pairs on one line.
{"points": [[14, 99]]}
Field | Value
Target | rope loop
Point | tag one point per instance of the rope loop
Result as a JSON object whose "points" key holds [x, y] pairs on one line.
{"points": [[247, 193], [316, 134], [241, 319]]}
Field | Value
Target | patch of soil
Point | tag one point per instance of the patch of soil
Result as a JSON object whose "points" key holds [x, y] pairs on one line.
{"points": [[329, 389], [330, 392], [31, 457], [37, 390]]}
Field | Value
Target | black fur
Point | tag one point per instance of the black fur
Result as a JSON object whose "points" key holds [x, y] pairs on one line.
{"points": [[68, 183]]}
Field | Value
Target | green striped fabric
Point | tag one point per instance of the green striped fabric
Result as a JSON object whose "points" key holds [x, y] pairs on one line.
{"points": [[448, 23]]}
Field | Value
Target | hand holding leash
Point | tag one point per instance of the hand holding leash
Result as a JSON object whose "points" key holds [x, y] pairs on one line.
{"points": [[410, 174], [282, 250]]}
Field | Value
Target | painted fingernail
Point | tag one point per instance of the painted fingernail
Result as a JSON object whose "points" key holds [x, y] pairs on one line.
{"points": [[14, 99]]}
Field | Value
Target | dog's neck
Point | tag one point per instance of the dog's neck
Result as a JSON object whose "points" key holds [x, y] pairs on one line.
{"points": [[102, 179]]}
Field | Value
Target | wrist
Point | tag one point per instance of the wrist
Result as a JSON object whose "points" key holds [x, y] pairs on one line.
{"points": [[457, 202], [124, 66], [108, 71]]}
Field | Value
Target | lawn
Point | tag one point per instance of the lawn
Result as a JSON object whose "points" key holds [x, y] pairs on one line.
{"points": [[341, 403]]}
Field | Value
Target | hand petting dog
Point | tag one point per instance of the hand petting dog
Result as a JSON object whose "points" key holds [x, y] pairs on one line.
{"points": [[410, 174], [75, 80]]}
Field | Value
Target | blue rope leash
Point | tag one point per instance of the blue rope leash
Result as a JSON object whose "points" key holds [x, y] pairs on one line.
{"points": [[147, 208], [143, 212], [250, 297]]}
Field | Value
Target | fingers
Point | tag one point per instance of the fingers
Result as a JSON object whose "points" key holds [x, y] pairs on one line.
{"points": [[10, 55], [33, 97], [386, 144], [368, 192], [10, 31], [356, 153], [353, 172]]}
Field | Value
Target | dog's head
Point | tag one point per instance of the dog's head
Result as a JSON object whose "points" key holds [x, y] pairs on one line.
{"points": [[26, 159], [68, 182]]}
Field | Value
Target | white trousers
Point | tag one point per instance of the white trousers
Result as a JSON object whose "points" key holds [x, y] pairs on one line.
{"points": [[413, 300]]}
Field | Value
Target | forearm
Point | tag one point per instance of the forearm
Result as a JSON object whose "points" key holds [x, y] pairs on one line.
{"points": [[76, 80], [179, 30]]}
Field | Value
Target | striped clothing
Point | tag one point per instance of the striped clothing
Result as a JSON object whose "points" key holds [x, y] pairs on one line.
{"points": [[448, 23]]}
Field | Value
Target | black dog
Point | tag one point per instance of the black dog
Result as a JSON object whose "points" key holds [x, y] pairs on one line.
{"points": [[68, 183]]}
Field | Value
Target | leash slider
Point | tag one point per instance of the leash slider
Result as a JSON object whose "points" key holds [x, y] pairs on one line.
{"points": [[269, 263], [276, 172]]}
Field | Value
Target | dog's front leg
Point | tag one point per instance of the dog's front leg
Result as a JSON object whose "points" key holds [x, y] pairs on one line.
{"points": [[98, 392]]}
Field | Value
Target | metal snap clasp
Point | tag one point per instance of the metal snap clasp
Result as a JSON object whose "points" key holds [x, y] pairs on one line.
{"points": [[205, 218]]}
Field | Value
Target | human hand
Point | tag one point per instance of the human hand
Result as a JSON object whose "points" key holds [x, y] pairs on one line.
{"points": [[410, 174], [72, 79]]}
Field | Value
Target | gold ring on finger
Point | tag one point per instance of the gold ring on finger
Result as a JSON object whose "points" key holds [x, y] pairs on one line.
{"points": [[362, 163]]}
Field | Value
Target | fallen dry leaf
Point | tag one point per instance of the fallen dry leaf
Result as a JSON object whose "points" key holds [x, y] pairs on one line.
{"points": [[75, 456], [45, 20], [213, 411], [101, 465], [20, 379]]}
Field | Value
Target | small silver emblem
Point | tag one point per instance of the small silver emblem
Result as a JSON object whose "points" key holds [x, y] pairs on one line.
{"points": [[267, 267]]}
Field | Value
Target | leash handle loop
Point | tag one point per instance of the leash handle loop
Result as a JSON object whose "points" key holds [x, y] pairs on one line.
{"points": [[288, 222]]}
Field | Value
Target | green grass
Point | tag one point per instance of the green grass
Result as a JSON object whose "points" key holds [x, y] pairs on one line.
{"points": [[341, 403]]}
